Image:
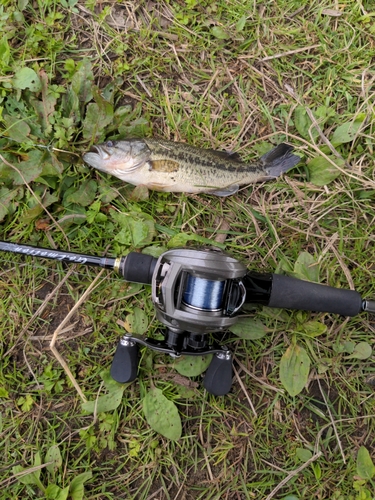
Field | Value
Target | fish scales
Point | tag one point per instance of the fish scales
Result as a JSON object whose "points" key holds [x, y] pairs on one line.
{"points": [[196, 166], [178, 167]]}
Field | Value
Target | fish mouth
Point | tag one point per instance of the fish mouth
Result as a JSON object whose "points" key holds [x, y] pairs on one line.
{"points": [[95, 156], [101, 151]]}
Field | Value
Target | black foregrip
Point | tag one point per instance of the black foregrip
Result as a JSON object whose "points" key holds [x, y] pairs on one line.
{"points": [[293, 293], [138, 267]]}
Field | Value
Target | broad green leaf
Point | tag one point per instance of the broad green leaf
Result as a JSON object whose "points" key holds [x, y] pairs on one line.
{"points": [[107, 193], [124, 237], [294, 369], [26, 477], [180, 240], [154, 250], [219, 33], [44, 110], [54, 492], [4, 393], [71, 106], [317, 470], [249, 328], [303, 454], [162, 414], [99, 114], [303, 123], [6, 196], [53, 455], [275, 314], [314, 328], [136, 128], [365, 465], [138, 229], [22, 4], [93, 211], [136, 322], [29, 170], [26, 78], [134, 448], [306, 267], [31, 477], [26, 402], [16, 128], [184, 392], [322, 171], [52, 167], [347, 346], [323, 114], [37, 461], [109, 383], [107, 402], [84, 195], [4, 52], [240, 24], [82, 81], [142, 231], [76, 488], [29, 215], [347, 131], [363, 350], [192, 366]]}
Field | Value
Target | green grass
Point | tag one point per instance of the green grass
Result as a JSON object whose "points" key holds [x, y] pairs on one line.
{"points": [[213, 75]]}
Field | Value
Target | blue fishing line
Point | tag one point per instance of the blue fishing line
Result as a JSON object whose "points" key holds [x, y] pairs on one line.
{"points": [[202, 293]]}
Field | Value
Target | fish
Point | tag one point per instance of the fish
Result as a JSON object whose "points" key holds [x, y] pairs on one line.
{"points": [[177, 167]]}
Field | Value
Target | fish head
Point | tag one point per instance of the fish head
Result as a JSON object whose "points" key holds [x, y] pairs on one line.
{"points": [[118, 157]]}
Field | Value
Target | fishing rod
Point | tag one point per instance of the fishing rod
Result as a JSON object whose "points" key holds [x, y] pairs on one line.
{"points": [[196, 292]]}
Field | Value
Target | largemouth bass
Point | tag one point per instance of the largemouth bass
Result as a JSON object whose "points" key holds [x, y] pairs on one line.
{"points": [[177, 167]]}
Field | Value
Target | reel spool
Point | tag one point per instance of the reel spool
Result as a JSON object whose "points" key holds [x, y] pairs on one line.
{"points": [[198, 290], [195, 292]]}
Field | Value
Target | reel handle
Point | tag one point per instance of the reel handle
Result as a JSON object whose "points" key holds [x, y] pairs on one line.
{"points": [[124, 366], [219, 374]]}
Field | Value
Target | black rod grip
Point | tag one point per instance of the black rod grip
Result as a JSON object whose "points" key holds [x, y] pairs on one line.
{"points": [[138, 267], [293, 293]]}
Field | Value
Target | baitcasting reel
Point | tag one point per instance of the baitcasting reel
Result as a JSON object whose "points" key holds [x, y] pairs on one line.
{"points": [[198, 292], [195, 292]]}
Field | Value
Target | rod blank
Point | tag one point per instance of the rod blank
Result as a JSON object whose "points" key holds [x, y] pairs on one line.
{"points": [[47, 253]]}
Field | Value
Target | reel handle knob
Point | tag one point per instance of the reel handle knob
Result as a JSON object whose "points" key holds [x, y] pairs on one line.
{"points": [[124, 366], [218, 378]]}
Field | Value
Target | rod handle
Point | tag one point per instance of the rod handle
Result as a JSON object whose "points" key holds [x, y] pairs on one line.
{"points": [[293, 293], [137, 267]]}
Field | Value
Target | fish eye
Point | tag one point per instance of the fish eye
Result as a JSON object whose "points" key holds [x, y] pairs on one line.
{"points": [[109, 144]]}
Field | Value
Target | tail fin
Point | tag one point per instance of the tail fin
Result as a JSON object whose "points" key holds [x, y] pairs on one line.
{"points": [[279, 160]]}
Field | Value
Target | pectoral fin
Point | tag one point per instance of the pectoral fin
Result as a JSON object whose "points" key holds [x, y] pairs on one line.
{"points": [[228, 191]]}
